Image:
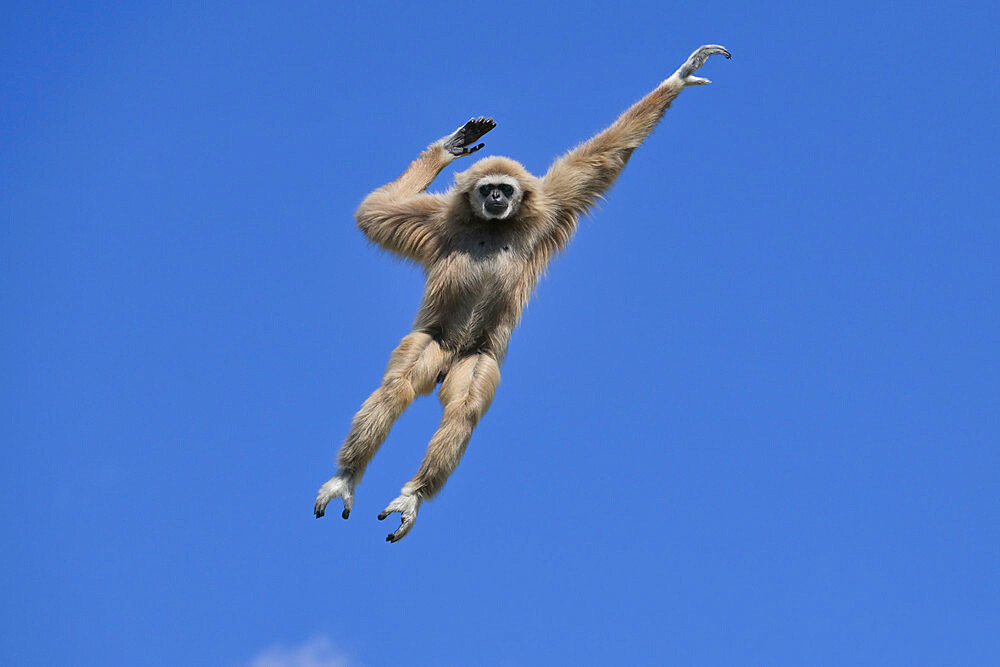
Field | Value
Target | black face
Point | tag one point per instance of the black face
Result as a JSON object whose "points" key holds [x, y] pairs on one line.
{"points": [[496, 196]]}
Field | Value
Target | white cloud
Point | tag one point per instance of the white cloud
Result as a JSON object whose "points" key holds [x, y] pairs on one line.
{"points": [[317, 652]]}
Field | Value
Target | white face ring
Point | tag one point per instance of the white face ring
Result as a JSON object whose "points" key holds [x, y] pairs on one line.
{"points": [[478, 202]]}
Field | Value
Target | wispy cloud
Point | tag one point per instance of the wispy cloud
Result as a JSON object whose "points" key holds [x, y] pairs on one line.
{"points": [[317, 652]]}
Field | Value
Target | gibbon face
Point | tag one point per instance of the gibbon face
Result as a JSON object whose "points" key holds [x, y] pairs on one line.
{"points": [[496, 197]]}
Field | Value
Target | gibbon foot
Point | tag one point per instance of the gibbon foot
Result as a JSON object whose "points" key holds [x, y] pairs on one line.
{"points": [[340, 485], [407, 504], [695, 61], [460, 142]]}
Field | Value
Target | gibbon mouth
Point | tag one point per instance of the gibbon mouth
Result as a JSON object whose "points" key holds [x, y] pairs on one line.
{"points": [[496, 207]]}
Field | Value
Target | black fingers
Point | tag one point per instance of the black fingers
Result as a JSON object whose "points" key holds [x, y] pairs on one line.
{"points": [[698, 58], [702, 54], [713, 49], [476, 128], [399, 533], [461, 141], [318, 512], [346, 513]]}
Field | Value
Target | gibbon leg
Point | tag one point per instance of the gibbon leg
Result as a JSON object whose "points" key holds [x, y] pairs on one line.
{"points": [[412, 370], [466, 393]]}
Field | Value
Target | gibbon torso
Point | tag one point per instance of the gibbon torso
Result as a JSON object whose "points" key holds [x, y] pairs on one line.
{"points": [[478, 286]]}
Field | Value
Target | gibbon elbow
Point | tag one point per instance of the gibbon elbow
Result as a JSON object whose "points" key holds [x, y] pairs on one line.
{"points": [[367, 215]]}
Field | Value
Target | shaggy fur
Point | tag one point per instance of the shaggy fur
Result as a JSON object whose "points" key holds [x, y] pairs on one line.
{"points": [[480, 274]]}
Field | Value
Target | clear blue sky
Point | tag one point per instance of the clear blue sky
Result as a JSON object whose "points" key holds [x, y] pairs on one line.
{"points": [[749, 418]]}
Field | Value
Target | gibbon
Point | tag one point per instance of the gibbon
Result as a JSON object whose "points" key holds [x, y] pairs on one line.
{"points": [[483, 245]]}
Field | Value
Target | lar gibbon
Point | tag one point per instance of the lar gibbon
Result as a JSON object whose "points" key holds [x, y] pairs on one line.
{"points": [[483, 245]]}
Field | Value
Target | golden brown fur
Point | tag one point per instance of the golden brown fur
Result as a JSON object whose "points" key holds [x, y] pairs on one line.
{"points": [[480, 274]]}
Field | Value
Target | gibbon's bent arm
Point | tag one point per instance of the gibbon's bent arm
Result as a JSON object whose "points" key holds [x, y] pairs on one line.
{"points": [[399, 216], [576, 180]]}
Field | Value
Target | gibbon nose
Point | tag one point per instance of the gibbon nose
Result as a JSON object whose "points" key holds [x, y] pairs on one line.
{"points": [[497, 195]]}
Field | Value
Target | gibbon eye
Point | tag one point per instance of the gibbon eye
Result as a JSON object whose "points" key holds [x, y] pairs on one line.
{"points": [[508, 190], [485, 190]]}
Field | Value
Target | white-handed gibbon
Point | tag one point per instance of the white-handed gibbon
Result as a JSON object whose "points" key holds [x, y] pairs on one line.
{"points": [[483, 245]]}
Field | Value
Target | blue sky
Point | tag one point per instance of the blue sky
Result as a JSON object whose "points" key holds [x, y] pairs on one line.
{"points": [[749, 418]]}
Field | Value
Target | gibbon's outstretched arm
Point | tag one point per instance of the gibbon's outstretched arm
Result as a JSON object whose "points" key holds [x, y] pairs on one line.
{"points": [[400, 216], [576, 180]]}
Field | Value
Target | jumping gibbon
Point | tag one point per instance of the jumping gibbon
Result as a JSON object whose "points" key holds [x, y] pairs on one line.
{"points": [[483, 245]]}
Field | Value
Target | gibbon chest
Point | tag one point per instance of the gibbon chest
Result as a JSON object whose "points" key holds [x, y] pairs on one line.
{"points": [[482, 262]]}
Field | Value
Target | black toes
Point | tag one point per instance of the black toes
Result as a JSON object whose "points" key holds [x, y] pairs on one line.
{"points": [[383, 515], [346, 513]]}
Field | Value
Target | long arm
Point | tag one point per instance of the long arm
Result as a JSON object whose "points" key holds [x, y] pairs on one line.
{"points": [[400, 216], [576, 180]]}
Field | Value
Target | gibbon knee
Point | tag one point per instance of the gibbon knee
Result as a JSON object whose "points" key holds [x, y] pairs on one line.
{"points": [[416, 362], [469, 387]]}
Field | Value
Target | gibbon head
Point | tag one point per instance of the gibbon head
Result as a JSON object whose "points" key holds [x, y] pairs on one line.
{"points": [[495, 188], [496, 196]]}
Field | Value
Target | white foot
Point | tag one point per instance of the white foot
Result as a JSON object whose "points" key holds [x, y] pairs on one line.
{"points": [[407, 504], [340, 485]]}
